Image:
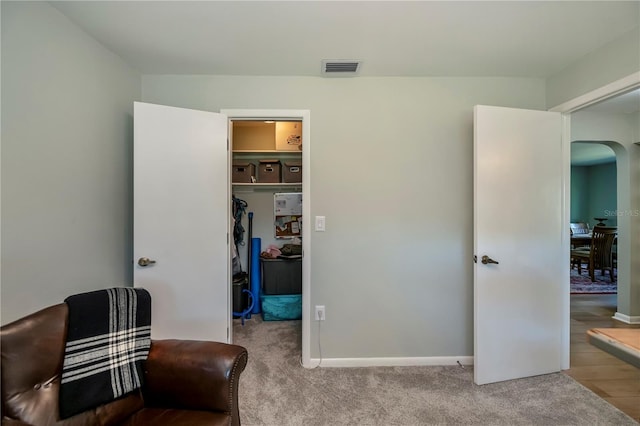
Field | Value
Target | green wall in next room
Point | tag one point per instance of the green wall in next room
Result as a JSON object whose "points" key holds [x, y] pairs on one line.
{"points": [[593, 193]]}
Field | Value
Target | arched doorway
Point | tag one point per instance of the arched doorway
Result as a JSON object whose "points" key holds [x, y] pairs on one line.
{"points": [[594, 194], [618, 213]]}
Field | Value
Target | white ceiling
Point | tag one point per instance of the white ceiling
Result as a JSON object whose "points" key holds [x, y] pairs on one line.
{"points": [[391, 38]]}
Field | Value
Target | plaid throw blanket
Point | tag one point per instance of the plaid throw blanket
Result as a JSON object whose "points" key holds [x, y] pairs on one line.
{"points": [[108, 338]]}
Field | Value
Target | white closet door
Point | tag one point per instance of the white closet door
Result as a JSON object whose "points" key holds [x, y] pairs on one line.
{"points": [[518, 302], [181, 220]]}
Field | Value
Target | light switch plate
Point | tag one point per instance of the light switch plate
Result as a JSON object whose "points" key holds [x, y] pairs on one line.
{"points": [[320, 223]]}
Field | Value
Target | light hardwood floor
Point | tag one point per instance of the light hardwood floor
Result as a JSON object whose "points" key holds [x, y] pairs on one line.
{"points": [[612, 379]]}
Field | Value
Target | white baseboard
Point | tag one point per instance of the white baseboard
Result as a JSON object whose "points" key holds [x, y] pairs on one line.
{"points": [[626, 318], [393, 362]]}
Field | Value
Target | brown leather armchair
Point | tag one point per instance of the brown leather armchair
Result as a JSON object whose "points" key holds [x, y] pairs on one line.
{"points": [[185, 383]]}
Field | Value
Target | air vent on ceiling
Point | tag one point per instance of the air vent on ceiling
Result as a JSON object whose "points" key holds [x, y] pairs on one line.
{"points": [[340, 68]]}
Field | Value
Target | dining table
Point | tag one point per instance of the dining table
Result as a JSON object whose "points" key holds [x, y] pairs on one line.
{"points": [[579, 240]]}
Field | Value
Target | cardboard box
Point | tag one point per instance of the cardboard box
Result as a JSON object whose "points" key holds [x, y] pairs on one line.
{"points": [[292, 172], [269, 171], [288, 136], [243, 172]]}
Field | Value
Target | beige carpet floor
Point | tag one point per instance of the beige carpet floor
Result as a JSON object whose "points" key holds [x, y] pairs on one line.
{"points": [[276, 390]]}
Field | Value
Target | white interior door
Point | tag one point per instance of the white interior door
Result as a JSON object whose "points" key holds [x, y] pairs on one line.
{"points": [[181, 220], [518, 302]]}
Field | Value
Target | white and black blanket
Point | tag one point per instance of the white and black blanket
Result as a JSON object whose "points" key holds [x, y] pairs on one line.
{"points": [[108, 339]]}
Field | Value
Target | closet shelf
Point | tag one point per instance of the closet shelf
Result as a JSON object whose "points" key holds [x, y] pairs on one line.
{"points": [[253, 187], [265, 151]]}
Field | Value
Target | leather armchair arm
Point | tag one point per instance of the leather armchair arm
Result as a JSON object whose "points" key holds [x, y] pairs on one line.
{"points": [[12, 422], [194, 375]]}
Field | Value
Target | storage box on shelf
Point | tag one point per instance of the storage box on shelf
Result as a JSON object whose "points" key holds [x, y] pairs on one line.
{"points": [[292, 172], [274, 148], [288, 136], [269, 171], [243, 172]]}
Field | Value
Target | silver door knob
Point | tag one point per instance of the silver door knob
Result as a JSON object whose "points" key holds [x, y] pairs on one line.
{"points": [[486, 259], [145, 261]]}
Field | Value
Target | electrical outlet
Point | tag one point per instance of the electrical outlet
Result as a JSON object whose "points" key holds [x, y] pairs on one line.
{"points": [[320, 313]]}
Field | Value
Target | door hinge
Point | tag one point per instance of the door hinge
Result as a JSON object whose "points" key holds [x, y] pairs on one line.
{"points": [[227, 144]]}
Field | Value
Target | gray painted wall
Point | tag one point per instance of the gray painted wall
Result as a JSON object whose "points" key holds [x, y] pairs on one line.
{"points": [[391, 169], [67, 131], [612, 62]]}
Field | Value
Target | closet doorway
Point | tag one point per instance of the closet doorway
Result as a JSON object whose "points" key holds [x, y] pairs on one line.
{"points": [[271, 153]]}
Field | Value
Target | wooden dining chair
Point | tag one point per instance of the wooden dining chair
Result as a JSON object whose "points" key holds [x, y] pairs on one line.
{"points": [[600, 252]]}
